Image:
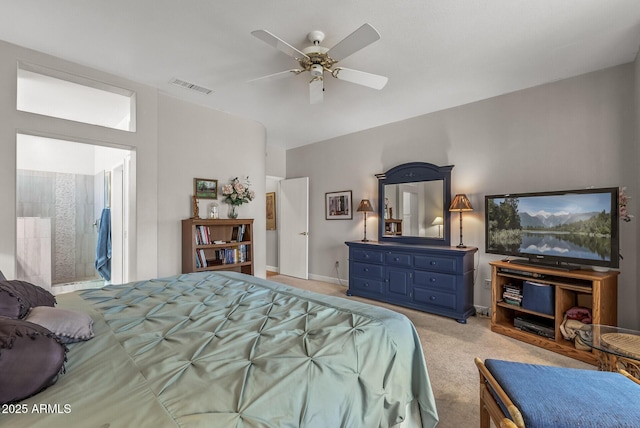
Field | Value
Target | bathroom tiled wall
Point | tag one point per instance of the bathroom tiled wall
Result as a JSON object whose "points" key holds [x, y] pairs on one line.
{"points": [[68, 200]]}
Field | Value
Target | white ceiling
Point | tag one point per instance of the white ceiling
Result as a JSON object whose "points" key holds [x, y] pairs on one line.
{"points": [[436, 53]]}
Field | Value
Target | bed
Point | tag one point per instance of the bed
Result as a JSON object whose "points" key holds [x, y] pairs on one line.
{"points": [[230, 350]]}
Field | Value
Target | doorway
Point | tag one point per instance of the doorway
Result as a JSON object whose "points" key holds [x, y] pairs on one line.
{"points": [[62, 186]]}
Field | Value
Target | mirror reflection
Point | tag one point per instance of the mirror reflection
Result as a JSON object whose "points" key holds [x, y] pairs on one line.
{"points": [[414, 209]]}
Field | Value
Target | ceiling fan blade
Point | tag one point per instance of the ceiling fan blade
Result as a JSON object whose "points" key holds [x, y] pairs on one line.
{"points": [[316, 90], [363, 78], [278, 43], [355, 41], [276, 76]]}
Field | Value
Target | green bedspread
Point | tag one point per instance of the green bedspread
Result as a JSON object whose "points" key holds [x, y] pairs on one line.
{"points": [[231, 350]]}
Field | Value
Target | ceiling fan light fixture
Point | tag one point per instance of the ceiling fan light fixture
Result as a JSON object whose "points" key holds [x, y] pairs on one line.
{"points": [[316, 70]]}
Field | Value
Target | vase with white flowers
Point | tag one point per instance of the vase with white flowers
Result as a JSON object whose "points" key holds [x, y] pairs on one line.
{"points": [[237, 193]]}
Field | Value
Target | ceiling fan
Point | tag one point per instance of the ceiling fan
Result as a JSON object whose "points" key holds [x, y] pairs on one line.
{"points": [[317, 59]]}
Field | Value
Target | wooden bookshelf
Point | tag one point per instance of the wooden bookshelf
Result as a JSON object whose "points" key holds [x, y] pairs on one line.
{"points": [[221, 244]]}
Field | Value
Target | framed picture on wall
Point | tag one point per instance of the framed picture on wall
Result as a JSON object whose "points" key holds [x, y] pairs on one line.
{"points": [[271, 211], [338, 205], [204, 188]]}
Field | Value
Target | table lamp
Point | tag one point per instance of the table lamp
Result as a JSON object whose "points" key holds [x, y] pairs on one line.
{"points": [[438, 221], [461, 203], [365, 207]]}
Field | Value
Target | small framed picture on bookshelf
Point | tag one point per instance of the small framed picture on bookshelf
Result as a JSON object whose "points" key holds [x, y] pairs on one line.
{"points": [[204, 188], [338, 205]]}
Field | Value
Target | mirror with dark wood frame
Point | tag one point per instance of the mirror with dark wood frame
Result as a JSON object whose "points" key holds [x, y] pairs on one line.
{"points": [[413, 204]]}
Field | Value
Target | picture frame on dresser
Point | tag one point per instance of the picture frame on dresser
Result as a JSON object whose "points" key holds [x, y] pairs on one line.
{"points": [[338, 205]]}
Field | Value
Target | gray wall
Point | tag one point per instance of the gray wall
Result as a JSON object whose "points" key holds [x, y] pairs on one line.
{"points": [[569, 134]]}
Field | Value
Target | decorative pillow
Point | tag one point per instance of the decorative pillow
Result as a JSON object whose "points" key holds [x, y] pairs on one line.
{"points": [[17, 297], [69, 326], [31, 357]]}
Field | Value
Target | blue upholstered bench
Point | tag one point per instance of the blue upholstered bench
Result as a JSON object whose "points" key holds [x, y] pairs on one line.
{"points": [[536, 396]]}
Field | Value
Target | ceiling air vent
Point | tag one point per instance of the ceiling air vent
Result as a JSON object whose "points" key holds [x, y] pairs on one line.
{"points": [[190, 86]]}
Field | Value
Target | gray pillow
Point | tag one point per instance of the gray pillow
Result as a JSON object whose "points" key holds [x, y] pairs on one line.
{"points": [[31, 358], [17, 297], [69, 326]]}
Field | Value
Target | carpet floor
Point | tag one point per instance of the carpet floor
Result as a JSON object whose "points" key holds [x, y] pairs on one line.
{"points": [[449, 348]]}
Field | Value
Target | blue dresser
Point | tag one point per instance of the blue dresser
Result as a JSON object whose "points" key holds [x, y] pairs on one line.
{"points": [[435, 279]]}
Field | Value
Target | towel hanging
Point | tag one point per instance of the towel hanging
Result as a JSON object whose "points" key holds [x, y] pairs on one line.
{"points": [[103, 248]]}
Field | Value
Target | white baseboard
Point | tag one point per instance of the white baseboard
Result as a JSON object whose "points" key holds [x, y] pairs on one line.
{"points": [[329, 279], [273, 269], [483, 311]]}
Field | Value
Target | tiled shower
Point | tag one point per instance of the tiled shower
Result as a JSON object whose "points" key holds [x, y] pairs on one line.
{"points": [[55, 208]]}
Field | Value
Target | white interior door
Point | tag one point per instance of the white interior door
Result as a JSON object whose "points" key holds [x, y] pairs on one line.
{"points": [[294, 227]]}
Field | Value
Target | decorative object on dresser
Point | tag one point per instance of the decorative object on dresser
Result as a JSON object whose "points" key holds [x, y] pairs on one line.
{"points": [[537, 313], [223, 244], [434, 279], [411, 268], [461, 203], [365, 207], [337, 205]]}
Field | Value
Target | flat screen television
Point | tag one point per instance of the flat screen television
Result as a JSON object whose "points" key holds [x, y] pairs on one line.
{"points": [[563, 229]]}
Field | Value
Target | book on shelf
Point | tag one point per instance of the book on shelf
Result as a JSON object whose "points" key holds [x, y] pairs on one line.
{"points": [[232, 255], [202, 235], [512, 294], [237, 233]]}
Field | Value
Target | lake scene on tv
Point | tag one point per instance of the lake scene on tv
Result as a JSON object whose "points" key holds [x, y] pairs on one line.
{"points": [[568, 225]]}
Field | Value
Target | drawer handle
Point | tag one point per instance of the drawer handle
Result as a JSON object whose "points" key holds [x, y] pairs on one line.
{"points": [[366, 256], [432, 297], [366, 284], [432, 279], [395, 259], [366, 269], [432, 263]]}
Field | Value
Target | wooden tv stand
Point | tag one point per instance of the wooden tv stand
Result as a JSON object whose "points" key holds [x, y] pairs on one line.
{"points": [[595, 290]]}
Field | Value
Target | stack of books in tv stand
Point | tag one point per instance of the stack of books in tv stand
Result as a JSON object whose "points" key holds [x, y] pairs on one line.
{"points": [[512, 294]]}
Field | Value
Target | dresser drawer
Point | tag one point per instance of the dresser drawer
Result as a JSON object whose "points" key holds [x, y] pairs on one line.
{"points": [[365, 270], [368, 285], [434, 298], [438, 264], [370, 256], [398, 259], [441, 281]]}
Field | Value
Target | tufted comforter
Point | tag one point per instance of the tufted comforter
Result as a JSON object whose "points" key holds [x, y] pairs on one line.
{"points": [[231, 350]]}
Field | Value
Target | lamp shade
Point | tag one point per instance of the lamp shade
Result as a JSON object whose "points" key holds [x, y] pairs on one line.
{"points": [[437, 221], [365, 206], [460, 203]]}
